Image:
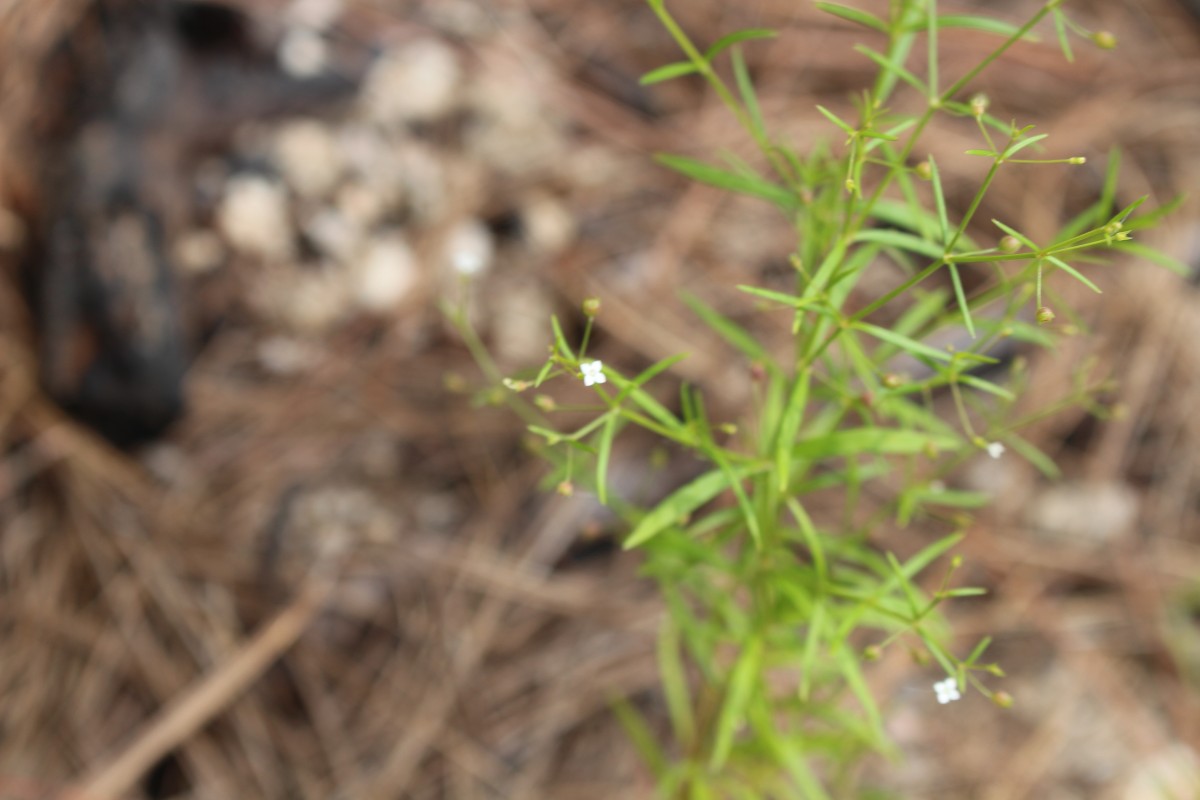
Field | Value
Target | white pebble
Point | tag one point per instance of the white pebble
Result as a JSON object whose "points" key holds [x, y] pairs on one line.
{"points": [[284, 356], [548, 225], [469, 248], [303, 53], [333, 233], [198, 252], [1090, 514], [315, 14], [253, 215], [417, 82], [313, 301], [386, 274], [308, 157], [361, 204]]}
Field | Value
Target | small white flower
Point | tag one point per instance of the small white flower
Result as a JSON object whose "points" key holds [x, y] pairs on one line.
{"points": [[995, 449], [947, 691], [593, 373]]}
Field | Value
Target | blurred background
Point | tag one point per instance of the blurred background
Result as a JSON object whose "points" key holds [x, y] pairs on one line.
{"points": [[264, 532]]}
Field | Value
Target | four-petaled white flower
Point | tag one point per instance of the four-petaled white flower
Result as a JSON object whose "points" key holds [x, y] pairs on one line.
{"points": [[947, 691], [995, 449], [593, 373]]}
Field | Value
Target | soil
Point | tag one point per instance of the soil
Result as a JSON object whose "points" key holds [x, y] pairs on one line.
{"points": [[328, 566]]}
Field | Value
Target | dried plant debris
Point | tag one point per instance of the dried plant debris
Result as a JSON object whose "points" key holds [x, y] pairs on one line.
{"points": [[337, 562]]}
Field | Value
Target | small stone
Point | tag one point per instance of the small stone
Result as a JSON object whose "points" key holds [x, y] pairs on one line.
{"points": [[1090, 514], [416, 82], [333, 233], [303, 53], [424, 185], [549, 227], [386, 274], [519, 312], [469, 248], [308, 157], [317, 15], [199, 252], [253, 215], [361, 204], [1174, 771], [307, 300], [284, 356]]}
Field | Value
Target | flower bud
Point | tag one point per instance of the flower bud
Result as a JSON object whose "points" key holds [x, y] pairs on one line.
{"points": [[851, 185], [1045, 316], [924, 171], [1010, 244], [979, 105], [565, 488], [545, 402], [591, 307], [1003, 699], [892, 380], [1076, 160], [1105, 40], [872, 652], [1112, 228]]}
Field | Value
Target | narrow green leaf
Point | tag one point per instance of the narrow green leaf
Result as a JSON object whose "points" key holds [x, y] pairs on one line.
{"points": [[961, 297], [1074, 273], [1060, 28], [812, 641], [681, 503], [783, 298], [667, 72], [1042, 462], [789, 427], [854, 15], [986, 386], [910, 594], [728, 330], [888, 66], [939, 199], [643, 738], [749, 98], [829, 264], [858, 686], [1020, 237], [560, 341], [607, 434], [738, 36], [966, 591], [985, 24], [812, 539], [903, 241], [738, 692], [742, 184], [675, 684], [929, 553], [836, 120], [910, 346], [791, 754], [914, 218], [955, 498], [1021, 144]]}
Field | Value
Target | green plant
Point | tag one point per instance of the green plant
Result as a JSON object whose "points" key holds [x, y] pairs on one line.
{"points": [[772, 612]]}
